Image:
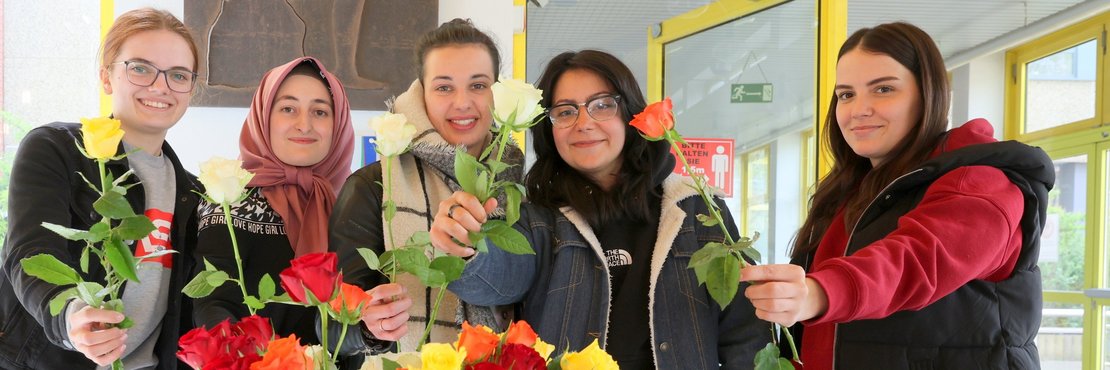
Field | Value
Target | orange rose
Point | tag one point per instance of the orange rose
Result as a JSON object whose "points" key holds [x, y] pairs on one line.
{"points": [[349, 298], [283, 353], [479, 341], [655, 120], [521, 333]]}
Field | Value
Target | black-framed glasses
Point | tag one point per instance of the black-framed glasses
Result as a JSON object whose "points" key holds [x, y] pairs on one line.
{"points": [[144, 74], [599, 108]]}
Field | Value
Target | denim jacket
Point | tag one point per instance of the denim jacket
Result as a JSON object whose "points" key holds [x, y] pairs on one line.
{"points": [[565, 294]]}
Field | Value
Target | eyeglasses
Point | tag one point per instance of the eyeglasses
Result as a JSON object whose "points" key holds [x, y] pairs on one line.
{"points": [[143, 74], [599, 108]]}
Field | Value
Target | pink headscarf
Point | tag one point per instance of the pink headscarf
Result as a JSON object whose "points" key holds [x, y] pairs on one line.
{"points": [[303, 196]]}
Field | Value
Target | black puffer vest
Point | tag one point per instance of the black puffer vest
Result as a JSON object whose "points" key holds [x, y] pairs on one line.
{"points": [[982, 325]]}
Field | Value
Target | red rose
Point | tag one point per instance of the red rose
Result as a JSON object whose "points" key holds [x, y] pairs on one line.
{"points": [[257, 333], [655, 120], [486, 366], [520, 357], [315, 272], [199, 347]]}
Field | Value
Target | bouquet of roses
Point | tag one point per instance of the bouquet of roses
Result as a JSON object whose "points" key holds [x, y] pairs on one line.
{"points": [[479, 348]]}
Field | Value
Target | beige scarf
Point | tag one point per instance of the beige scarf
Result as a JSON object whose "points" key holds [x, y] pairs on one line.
{"points": [[422, 178]]}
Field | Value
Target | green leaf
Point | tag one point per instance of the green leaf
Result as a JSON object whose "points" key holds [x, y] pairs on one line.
{"points": [[450, 266], [497, 167], [389, 210], [707, 254], [157, 254], [122, 178], [428, 276], [702, 272], [134, 227], [208, 266], [466, 170], [71, 234], [370, 257], [506, 237], [49, 269], [113, 205], [283, 299], [215, 279], [126, 323], [410, 259], [388, 364], [253, 302], [90, 293], [121, 259], [723, 279], [513, 196], [85, 258], [751, 253], [199, 287], [480, 243], [266, 287], [768, 359], [419, 239], [60, 300], [706, 220], [481, 187]]}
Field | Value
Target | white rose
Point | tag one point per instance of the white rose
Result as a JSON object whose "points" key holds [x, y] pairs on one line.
{"points": [[315, 353], [224, 179], [513, 96], [394, 133]]}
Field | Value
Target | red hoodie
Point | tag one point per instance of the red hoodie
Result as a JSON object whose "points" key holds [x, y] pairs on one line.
{"points": [[965, 228]]}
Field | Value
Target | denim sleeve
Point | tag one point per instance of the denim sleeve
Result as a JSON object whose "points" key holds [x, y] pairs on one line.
{"points": [[499, 277]]}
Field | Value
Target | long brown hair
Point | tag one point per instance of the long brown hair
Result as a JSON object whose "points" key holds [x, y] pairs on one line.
{"points": [[852, 174], [141, 20]]}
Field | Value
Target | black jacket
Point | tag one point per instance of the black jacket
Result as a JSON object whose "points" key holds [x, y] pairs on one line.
{"points": [[982, 325], [46, 186]]}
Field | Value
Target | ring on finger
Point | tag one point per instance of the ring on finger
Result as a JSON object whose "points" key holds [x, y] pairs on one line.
{"points": [[451, 210], [381, 324]]}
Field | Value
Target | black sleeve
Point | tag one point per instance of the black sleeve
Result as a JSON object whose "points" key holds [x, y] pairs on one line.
{"points": [[42, 189], [356, 222], [214, 245]]}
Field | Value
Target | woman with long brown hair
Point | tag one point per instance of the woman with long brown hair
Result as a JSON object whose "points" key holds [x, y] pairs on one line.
{"points": [[920, 249]]}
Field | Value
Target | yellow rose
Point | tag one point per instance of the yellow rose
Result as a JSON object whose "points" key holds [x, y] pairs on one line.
{"points": [[101, 137], [544, 349], [590, 358], [224, 179], [517, 101], [441, 356], [394, 134]]}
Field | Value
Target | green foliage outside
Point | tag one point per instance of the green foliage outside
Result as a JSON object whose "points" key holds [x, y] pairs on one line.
{"points": [[1066, 273], [16, 129]]}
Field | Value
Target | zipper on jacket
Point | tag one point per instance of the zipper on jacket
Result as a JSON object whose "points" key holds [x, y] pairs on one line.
{"points": [[836, 327]]}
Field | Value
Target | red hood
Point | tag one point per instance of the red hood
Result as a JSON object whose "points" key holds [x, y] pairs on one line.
{"points": [[976, 131]]}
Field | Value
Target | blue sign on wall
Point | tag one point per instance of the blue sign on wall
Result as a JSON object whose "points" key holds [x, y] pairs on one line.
{"points": [[369, 155]]}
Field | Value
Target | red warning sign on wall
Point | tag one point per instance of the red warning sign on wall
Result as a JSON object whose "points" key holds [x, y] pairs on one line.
{"points": [[710, 157]]}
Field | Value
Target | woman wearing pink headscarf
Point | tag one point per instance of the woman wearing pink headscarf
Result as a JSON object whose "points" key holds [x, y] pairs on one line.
{"points": [[298, 142]]}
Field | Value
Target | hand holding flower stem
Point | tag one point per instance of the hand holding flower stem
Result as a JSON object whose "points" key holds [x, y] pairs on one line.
{"points": [[717, 265]]}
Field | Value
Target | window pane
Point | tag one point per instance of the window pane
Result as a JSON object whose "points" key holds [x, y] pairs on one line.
{"points": [[1060, 340], [1065, 230], [1060, 88]]}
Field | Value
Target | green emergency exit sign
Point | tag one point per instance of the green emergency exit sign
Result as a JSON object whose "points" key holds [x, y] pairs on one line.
{"points": [[752, 93]]}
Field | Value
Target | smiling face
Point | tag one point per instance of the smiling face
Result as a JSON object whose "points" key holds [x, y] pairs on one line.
{"points": [[150, 110], [591, 147], [878, 103], [301, 121], [457, 95]]}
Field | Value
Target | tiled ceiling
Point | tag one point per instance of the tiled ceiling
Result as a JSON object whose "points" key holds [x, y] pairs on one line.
{"points": [[620, 26]]}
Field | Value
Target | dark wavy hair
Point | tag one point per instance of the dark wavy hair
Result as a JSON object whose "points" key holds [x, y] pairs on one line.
{"points": [[553, 183], [852, 182]]}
